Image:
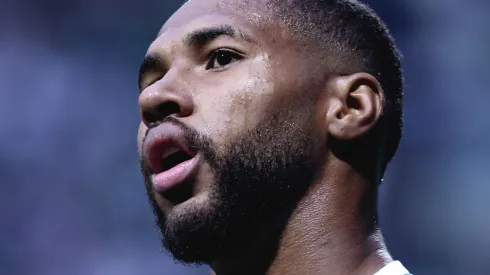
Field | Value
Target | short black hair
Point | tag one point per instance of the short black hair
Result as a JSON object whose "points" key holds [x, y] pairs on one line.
{"points": [[352, 33]]}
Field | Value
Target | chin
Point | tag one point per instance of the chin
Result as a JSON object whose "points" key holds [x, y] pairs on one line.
{"points": [[188, 230], [199, 202]]}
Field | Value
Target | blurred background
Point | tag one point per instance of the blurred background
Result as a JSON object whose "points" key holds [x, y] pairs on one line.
{"points": [[72, 199]]}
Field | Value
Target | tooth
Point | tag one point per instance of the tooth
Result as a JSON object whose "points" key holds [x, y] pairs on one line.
{"points": [[170, 151]]}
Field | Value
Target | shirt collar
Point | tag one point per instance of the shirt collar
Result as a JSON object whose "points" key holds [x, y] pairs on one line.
{"points": [[393, 268]]}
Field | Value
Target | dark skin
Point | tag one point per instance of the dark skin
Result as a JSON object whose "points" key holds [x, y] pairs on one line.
{"points": [[332, 229]]}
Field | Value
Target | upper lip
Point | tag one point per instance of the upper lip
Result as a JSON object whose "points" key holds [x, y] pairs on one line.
{"points": [[162, 141]]}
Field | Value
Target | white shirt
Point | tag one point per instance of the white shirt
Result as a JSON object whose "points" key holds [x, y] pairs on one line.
{"points": [[393, 268]]}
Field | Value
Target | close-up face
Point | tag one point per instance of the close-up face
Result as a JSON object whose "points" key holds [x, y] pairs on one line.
{"points": [[229, 132]]}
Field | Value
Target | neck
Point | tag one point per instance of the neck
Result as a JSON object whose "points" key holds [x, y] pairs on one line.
{"points": [[332, 230]]}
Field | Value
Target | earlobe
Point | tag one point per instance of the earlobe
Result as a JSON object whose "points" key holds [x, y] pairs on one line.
{"points": [[355, 105]]}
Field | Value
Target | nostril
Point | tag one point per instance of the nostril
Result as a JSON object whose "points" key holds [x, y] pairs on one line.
{"points": [[161, 112], [168, 108]]}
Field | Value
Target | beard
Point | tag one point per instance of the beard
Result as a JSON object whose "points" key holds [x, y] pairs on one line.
{"points": [[259, 178]]}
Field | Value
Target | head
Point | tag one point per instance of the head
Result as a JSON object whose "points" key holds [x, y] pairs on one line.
{"points": [[265, 98]]}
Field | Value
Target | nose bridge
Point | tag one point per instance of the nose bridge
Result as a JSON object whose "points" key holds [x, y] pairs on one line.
{"points": [[168, 96]]}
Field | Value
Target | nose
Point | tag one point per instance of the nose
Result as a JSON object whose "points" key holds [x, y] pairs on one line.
{"points": [[166, 97]]}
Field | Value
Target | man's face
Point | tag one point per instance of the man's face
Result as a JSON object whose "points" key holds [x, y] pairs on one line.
{"points": [[233, 97]]}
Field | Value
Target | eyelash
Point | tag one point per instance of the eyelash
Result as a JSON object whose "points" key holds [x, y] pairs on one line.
{"points": [[215, 54], [210, 60]]}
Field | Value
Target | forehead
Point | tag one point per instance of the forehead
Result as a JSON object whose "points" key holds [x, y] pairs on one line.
{"points": [[250, 9], [246, 15]]}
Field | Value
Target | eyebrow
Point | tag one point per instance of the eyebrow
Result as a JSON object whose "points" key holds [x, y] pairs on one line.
{"points": [[195, 39], [204, 36]]}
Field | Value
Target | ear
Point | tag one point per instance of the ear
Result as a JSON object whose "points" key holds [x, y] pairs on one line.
{"points": [[355, 104]]}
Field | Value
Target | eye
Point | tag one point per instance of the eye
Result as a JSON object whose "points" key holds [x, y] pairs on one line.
{"points": [[222, 58]]}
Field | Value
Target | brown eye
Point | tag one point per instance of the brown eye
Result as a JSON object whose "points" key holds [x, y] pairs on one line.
{"points": [[222, 58]]}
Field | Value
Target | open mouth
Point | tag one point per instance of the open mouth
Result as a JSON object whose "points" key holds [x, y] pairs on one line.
{"points": [[173, 157], [173, 162], [182, 191], [173, 179]]}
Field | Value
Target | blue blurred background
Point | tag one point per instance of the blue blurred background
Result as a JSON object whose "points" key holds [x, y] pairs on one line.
{"points": [[72, 199]]}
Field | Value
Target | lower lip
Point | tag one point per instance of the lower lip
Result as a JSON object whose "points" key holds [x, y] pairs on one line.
{"points": [[174, 176]]}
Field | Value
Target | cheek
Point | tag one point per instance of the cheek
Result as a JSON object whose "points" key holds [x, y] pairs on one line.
{"points": [[229, 115], [237, 103]]}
